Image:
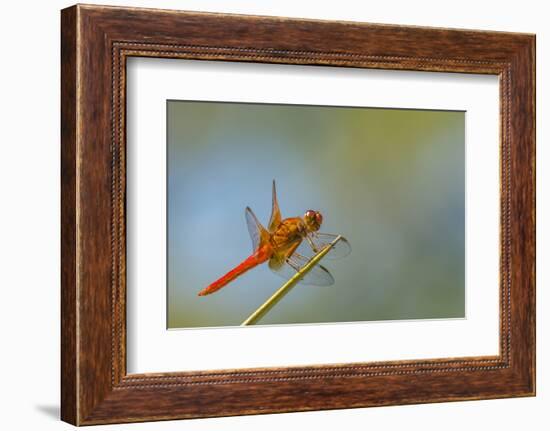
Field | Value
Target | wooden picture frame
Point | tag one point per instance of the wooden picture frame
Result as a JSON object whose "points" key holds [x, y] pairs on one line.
{"points": [[95, 43]]}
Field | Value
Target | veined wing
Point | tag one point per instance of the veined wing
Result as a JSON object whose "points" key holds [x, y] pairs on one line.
{"points": [[316, 241], [275, 219], [258, 233], [317, 276]]}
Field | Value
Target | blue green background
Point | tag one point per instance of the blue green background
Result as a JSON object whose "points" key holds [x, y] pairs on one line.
{"points": [[390, 180]]}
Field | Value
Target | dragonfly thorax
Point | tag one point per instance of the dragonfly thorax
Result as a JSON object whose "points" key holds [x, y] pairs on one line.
{"points": [[289, 231]]}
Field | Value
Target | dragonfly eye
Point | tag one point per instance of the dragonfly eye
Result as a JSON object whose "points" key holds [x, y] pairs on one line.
{"points": [[310, 215], [313, 220], [319, 218]]}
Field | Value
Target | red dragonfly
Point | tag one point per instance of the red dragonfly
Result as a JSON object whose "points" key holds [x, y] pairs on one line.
{"points": [[287, 244]]}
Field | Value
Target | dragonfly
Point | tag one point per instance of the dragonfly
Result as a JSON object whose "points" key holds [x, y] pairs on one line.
{"points": [[286, 245]]}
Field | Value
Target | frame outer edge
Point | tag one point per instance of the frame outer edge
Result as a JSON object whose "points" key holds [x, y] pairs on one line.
{"points": [[531, 79], [533, 54], [523, 216], [69, 303]]}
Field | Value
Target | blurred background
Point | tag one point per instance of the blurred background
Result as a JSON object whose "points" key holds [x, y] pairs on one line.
{"points": [[390, 180]]}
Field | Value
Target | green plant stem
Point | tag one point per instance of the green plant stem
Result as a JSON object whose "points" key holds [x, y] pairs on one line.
{"points": [[287, 287]]}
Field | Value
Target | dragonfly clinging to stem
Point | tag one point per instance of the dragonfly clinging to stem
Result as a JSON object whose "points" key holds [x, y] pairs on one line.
{"points": [[287, 245]]}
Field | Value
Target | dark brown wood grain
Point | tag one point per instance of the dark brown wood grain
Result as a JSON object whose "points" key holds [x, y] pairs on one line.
{"points": [[95, 42], [68, 216]]}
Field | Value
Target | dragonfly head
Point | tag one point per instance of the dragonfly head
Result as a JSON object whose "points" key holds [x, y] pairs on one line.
{"points": [[313, 220]]}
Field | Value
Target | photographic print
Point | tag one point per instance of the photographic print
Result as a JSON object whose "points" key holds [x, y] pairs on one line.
{"points": [[256, 191]]}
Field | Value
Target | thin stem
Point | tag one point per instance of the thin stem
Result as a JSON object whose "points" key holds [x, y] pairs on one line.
{"points": [[287, 287]]}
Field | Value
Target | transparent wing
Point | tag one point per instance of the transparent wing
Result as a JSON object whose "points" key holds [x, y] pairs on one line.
{"points": [[316, 241], [317, 276], [275, 219], [258, 233]]}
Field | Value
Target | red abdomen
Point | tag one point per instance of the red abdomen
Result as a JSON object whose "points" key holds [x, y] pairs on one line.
{"points": [[260, 256]]}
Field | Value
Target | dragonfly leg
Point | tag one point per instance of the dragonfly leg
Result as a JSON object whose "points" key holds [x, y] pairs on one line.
{"points": [[301, 256], [295, 259], [312, 245], [292, 264]]}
